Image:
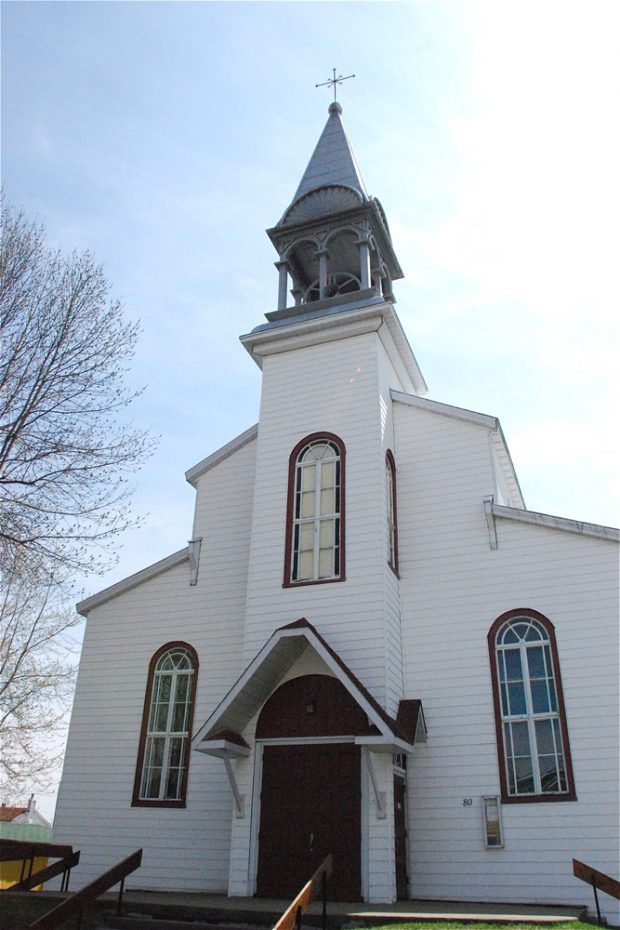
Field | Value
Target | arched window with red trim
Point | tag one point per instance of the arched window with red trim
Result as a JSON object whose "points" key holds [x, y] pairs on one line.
{"points": [[392, 517], [315, 511], [532, 734], [163, 756]]}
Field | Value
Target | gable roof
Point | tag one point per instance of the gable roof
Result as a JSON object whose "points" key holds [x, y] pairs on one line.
{"points": [[491, 423], [264, 674], [194, 473], [609, 533], [151, 571]]}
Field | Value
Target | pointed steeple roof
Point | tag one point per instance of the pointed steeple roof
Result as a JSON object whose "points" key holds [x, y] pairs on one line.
{"points": [[332, 161]]}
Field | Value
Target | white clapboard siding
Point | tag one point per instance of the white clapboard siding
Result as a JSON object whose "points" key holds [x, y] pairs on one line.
{"points": [[453, 586], [183, 848]]}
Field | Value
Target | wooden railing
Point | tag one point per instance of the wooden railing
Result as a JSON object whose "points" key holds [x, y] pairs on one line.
{"points": [[74, 905], [26, 852], [61, 867], [292, 915], [598, 880]]}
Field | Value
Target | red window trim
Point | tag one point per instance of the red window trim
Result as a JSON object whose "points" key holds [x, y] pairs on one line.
{"points": [[290, 510], [136, 801], [571, 794], [389, 458]]}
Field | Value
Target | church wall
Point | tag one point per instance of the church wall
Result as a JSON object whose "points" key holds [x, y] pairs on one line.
{"points": [[183, 848], [331, 387], [453, 587]]}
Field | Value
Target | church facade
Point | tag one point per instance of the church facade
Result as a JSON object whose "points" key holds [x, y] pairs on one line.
{"points": [[370, 647]]}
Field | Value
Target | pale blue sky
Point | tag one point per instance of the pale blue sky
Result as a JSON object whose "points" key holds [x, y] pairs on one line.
{"points": [[166, 137]]}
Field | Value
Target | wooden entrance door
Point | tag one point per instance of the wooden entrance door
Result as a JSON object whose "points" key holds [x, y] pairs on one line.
{"points": [[310, 806], [400, 838]]}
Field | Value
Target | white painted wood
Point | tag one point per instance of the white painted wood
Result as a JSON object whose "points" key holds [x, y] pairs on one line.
{"points": [[421, 636]]}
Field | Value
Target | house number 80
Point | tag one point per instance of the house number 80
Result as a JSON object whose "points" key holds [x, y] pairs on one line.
{"points": [[467, 802]]}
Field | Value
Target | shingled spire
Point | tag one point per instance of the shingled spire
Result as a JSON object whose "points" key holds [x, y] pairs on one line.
{"points": [[332, 161], [333, 239]]}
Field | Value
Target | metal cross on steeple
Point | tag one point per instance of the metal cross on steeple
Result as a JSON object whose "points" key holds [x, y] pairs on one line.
{"points": [[333, 81]]}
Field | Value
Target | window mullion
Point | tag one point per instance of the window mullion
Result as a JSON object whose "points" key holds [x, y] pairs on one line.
{"points": [[317, 520], [531, 724]]}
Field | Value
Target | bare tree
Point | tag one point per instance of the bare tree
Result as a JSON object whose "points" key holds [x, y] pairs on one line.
{"points": [[67, 453], [36, 680]]}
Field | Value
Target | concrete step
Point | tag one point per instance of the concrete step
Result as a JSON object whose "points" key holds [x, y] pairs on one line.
{"points": [[146, 921]]}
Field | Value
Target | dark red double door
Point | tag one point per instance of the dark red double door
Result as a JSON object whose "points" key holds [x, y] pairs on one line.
{"points": [[310, 807]]}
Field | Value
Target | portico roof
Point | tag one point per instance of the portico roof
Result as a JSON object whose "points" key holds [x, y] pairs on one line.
{"points": [[266, 671]]}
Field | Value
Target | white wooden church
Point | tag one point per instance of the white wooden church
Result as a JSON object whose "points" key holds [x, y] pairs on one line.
{"points": [[369, 646]]}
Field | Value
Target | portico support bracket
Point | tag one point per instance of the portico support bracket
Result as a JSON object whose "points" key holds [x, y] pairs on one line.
{"points": [[379, 795], [490, 517], [235, 790]]}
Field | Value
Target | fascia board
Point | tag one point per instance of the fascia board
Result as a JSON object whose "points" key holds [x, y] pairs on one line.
{"points": [[300, 334], [254, 667], [389, 743], [121, 587], [566, 525], [343, 324], [401, 344], [223, 749], [196, 471], [504, 459], [445, 410], [242, 682]]}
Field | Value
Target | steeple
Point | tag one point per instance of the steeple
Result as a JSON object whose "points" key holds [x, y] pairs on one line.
{"points": [[332, 161], [333, 239]]}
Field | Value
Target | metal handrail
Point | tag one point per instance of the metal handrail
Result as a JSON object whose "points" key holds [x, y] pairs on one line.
{"points": [[598, 880], [61, 867], [292, 915], [74, 905], [22, 849]]}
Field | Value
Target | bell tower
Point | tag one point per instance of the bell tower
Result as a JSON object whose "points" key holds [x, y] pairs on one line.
{"points": [[333, 240]]}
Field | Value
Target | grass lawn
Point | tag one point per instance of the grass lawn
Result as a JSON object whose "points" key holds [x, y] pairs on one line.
{"points": [[486, 925]]}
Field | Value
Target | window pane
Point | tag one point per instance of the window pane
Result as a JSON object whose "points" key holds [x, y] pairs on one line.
{"points": [[326, 563], [525, 778], [176, 751], [162, 688], [328, 501], [552, 693], [306, 537], [516, 696], [520, 629], [534, 633], [326, 534], [308, 478], [305, 566], [153, 781], [182, 688], [536, 662], [328, 475], [540, 697], [307, 504], [544, 737], [514, 672], [160, 717], [520, 739], [173, 785], [179, 718]]}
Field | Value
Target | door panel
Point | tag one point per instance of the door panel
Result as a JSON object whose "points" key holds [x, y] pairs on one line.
{"points": [[400, 838], [310, 806]]}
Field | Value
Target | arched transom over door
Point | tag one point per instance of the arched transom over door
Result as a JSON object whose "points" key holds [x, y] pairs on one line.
{"points": [[311, 792]]}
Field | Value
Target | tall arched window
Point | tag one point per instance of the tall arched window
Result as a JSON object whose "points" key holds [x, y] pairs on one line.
{"points": [[532, 736], [392, 524], [315, 511], [163, 757]]}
